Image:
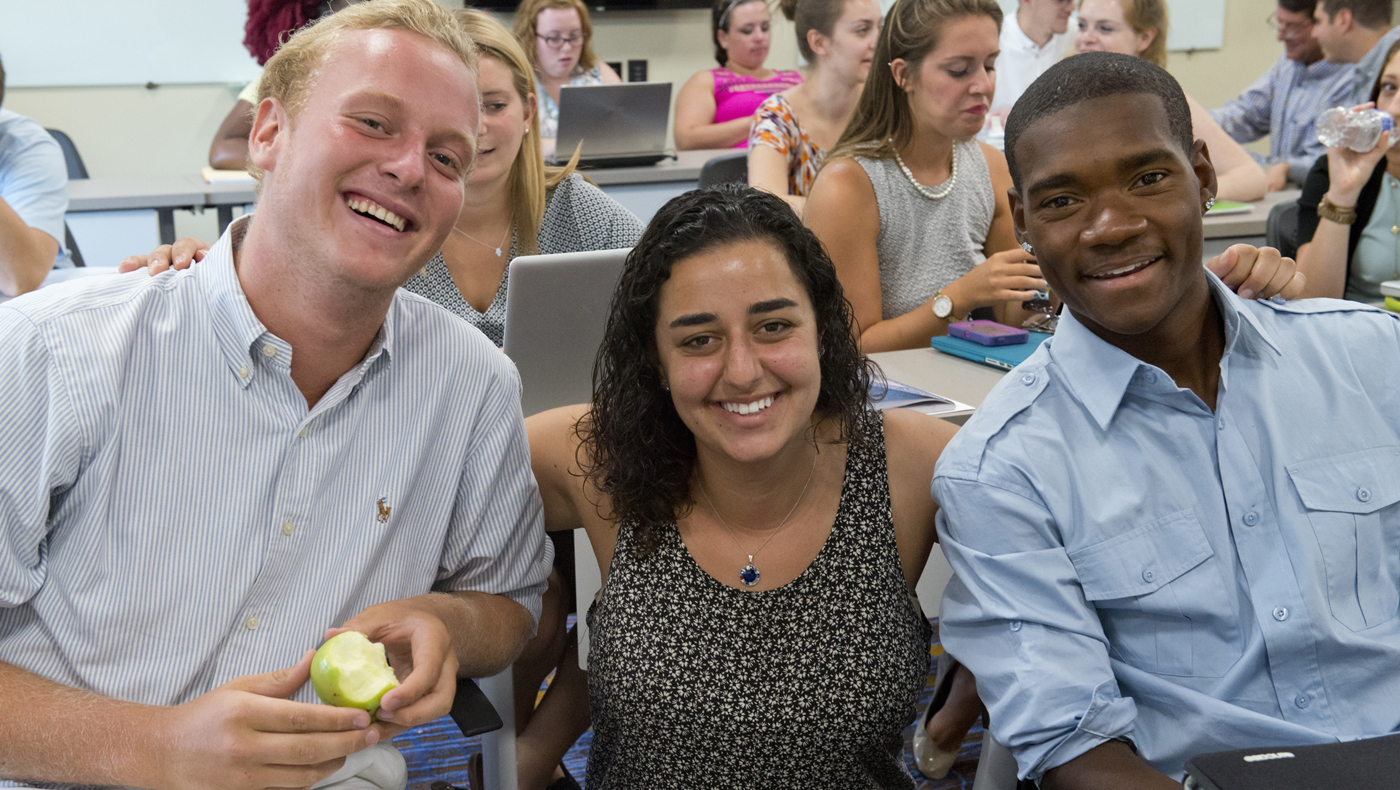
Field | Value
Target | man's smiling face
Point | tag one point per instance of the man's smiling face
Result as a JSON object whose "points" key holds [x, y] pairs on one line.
{"points": [[1113, 207]]}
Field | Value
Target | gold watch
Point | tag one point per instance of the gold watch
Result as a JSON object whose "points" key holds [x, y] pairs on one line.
{"points": [[1331, 211], [942, 305]]}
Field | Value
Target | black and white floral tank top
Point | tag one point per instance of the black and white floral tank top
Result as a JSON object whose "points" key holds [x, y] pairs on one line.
{"points": [[696, 684]]}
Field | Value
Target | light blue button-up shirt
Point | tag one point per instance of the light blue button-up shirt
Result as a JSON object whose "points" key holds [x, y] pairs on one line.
{"points": [[34, 178], [1131, 565], [173, 515]]}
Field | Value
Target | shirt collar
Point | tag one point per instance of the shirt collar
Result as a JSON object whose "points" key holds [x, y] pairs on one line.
{"points": [[1098, 374], [1017, 37], [236, 326]]}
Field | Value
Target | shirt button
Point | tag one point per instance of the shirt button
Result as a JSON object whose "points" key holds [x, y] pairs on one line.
{"points": [[1028, 379], [1251, 518], [287, 528], [269, 351], [1363, 494], [251, 623], [1302, 701], [1015, 625], [301, 434], [1148, 575], [243, 373], [1281, 613], [1220, 423], [1151, 377]]}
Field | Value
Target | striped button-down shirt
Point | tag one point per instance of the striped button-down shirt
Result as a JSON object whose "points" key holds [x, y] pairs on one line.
{"points": [[173, 515], [1133, 564], [1284, 104]]}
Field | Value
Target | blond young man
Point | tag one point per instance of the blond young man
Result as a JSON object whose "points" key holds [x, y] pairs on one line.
{"points": [[218, 467]]}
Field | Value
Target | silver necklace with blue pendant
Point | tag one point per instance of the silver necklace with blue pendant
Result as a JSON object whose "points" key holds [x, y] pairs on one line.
{"points": [[749, 574]]}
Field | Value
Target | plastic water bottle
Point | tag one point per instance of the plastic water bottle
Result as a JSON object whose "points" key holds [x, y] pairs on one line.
{"points": [[1358, 130]]}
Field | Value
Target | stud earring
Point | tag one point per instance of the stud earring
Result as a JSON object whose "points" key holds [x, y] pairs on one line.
{"points": [[665, 385], [1025, 245], [527, 130], [1209, 202]]}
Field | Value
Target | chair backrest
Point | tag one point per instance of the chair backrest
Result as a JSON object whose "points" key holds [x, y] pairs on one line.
{"points": [[1281, 228], [71, 157], [727, 169]]}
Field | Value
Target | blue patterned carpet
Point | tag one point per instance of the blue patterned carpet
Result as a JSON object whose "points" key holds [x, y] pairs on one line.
{"points": [[437, 751]]}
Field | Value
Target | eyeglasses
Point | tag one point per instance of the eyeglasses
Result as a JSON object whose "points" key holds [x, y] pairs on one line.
{"points": [[557, 41], [1287, 28]]}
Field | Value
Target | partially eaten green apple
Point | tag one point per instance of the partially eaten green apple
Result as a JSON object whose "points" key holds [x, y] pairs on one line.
{"points": [[350, 671]]}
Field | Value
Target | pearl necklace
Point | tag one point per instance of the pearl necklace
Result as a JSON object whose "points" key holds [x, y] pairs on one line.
{"points": [[925, 191]]}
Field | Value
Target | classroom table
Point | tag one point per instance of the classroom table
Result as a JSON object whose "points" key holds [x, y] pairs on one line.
{"points": [[163, 195], [643, 190]]}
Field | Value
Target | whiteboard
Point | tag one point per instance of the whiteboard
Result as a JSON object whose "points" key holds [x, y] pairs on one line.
{"points": [[108, 42], [1191, 24]]}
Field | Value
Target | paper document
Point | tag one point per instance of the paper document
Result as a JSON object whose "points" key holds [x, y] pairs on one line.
{"points": [[212, 176], [886, 394]]}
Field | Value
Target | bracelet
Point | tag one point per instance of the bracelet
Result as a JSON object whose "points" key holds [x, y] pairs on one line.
{"points": [[1331, 211]]}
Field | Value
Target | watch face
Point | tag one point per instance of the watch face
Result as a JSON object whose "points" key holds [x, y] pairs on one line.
{"points": [[942, 306]]}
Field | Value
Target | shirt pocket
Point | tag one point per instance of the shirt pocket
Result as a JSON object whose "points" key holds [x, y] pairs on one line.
{"points": [[1353, 504], [1160, 598]]}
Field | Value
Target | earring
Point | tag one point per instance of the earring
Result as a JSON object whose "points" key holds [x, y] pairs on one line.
{"points": [[665, 385], [1209, 202], [527, 130], [1025, 245]]}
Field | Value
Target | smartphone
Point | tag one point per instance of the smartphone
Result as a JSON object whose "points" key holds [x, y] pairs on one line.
{"points": [[988, 333]]}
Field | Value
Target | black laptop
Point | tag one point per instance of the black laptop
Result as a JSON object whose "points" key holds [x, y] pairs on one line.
{"points": [[1370, 764]]}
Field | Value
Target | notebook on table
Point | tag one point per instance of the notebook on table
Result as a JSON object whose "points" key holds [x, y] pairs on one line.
{"points": [[1370, 764], [556, 311], [1004, 357], [617, 125]]}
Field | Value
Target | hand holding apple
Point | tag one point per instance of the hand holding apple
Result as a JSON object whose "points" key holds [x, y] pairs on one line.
{"points": [[245, 733], [419, 649]]}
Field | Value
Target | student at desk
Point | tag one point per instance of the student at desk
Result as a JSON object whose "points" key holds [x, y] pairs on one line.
{"points": [[714, 108], [793, 130], [1349, 212], [557, 36], [33, 199], [1175, 529]]}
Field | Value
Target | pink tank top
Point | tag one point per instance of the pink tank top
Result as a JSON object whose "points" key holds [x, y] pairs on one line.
{"points": [[737, 96]]}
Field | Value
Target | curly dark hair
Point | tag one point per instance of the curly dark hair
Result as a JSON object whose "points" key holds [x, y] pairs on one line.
{"points": [[633, 445]]}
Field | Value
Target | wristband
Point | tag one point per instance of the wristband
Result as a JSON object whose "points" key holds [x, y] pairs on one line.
{"points": [[1331, 211]]}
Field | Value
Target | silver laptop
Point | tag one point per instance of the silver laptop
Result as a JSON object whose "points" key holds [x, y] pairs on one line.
{"points": [[619, 125], [556, 311]]}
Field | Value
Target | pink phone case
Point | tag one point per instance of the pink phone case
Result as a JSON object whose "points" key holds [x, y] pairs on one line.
{"points": [[988, 333]]}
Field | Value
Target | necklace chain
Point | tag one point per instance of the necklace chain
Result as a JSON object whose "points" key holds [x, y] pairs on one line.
{"points": [[510, 228], [775, 531], [947, 185]]}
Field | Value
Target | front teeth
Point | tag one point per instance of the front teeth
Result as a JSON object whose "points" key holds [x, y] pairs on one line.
{"points": [[378, 212], [1124, 270], [749, 408]]}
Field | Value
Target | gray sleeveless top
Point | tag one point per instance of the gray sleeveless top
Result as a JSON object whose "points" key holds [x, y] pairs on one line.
{"points": [[696, 684], [925, 244]]}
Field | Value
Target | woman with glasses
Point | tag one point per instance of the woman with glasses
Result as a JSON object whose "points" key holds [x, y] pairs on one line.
{"points": [[1139, 28], [715, 107], [557, 36]]}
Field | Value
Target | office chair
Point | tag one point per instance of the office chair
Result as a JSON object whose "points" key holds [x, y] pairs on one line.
{"points": [[727, 169], [1281, 228], [76, 170]]}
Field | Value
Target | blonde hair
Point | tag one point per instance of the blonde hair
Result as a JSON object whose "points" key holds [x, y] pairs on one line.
{"points": [[527, 14], [1145, 15], [883, 123], [530, 178], [291, 73]]}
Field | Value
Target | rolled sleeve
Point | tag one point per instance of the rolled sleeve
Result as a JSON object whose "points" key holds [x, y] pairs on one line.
{"points": [[40, 454], [1016, 615], [496, 542]]}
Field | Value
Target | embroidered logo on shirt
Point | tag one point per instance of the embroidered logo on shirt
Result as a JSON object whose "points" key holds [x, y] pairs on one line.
{"points": [[384, 509]]}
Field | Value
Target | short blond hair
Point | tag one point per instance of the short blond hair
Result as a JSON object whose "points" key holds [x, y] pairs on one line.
{"points": [[291, 73]]}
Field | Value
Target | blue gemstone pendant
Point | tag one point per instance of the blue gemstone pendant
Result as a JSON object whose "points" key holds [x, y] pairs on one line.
{"points": [[749, 574]]}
